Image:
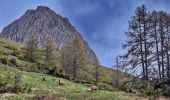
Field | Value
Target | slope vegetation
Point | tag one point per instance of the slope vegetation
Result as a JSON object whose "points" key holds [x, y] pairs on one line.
{"points": [[10, 49], [49, 86]]}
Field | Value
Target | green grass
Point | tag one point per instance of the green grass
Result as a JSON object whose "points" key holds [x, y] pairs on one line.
{"points": [[70, 90], [9, 48]]}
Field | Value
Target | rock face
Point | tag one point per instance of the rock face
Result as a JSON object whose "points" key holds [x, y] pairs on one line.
{"points": [[44, 22]]}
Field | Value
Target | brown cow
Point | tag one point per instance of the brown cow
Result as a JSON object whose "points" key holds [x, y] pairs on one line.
{"points": [[60, 82], [94, 88]]}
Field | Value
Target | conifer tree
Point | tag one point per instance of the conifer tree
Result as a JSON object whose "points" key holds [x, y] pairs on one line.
{"points": [[50, 52], [31, 49]]}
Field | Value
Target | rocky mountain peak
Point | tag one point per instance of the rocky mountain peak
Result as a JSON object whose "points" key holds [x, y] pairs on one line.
{"points": [[43, 22], [43, 8]]}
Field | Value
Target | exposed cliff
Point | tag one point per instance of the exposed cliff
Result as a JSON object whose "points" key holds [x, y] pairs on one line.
{"points": [[44, 22]]}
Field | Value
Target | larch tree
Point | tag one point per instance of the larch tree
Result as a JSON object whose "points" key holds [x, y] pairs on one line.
{"points": [[138, 41], [31, 49], [96, 74], [168, 44], [50, 52], [117, 66], [148, 43], [73, 57], [156, 39], [162, 34]]}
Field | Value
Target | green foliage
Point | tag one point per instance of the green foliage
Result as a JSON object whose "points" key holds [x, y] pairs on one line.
{"points": [[16, 52], [32, 83], [1, 52], [149, 90], [12, 82], [10, 47], [73, 57], [57, 71], [105, 79], [85, 73], [60, 71], [31, 49], [50, 52], [104, 86], [158, 92], [4, 60]]}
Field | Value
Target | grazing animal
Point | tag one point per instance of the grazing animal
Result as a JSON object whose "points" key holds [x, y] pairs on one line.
{"points": [[60, 82], [94, 88]]}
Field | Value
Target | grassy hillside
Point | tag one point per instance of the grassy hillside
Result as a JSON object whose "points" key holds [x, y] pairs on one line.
{"points": [[70, 90], [10, 49], [32, 74]]}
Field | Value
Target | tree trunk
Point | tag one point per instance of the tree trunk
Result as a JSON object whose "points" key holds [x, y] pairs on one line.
{"points": [[157, 51], [74, 71], [146, 52], [141, 52], [167, 46], [162, 49]]}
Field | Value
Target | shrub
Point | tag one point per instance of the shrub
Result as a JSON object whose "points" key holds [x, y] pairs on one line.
{"points": [[5, 83], [13, 83], [13, 61], [1, 52], [61, 72], [22, 88], [16, 52], [104, 86], [107, 80], [9, 47], [16, 83], [4, 60], [57, 71], [149, 90], [158, 92]]}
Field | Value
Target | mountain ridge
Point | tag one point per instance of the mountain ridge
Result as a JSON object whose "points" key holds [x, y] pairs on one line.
{"points": [[43, 21]]}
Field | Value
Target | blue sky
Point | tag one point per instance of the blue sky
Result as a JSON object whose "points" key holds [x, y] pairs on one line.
{"points": [[101, 22]]}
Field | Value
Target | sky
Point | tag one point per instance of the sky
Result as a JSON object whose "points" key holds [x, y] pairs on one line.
{"points": [[102, 23]]}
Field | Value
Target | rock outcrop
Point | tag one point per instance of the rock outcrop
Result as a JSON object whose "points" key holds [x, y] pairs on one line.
{"points": [[44, 22]]}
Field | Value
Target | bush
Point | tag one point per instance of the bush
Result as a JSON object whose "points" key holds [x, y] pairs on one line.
{"points": [[61, 72], [149, 90], [17, 81], [57, 71], [1, 52], [104, 86], [7, 46], [107, 80], [13, 61], [16, 52], [4, 60], [21, 88], [13, 83], [158, 92]]}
